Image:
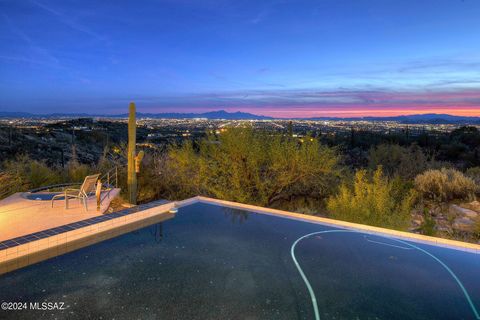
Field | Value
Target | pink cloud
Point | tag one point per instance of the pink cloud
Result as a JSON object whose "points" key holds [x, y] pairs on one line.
{"points": [[317, 103]]}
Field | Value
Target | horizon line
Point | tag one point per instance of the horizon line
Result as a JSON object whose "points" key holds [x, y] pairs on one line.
{"points": [[106, 115]]}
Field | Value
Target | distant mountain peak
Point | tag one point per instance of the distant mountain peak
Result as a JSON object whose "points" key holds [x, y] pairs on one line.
{"points": [[220, 114]]}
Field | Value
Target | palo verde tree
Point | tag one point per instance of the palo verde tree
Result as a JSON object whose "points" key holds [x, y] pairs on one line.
{"points": [[373, 199], [256, 167]]}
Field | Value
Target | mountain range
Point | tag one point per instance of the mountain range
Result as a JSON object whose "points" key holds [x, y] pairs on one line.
{"points": [[221, 114], [430, 118], [427, 118]]}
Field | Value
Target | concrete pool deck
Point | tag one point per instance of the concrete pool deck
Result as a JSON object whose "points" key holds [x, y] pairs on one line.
{"points": [[19, 252], [22, 251], [20, 216]]}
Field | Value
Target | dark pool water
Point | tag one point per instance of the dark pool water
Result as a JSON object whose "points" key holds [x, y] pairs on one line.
{"points": [[211, 262]]}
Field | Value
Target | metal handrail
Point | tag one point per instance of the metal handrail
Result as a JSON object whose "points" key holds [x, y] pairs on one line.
{"points": [[112, 182], [111, 176]]}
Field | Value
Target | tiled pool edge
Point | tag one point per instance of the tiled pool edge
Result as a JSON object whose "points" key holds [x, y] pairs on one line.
{"points": [[17, 255], [9, 243], [441, 242]]}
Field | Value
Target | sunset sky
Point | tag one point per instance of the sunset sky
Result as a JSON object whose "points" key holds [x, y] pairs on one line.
{"points": [[279, 58]]}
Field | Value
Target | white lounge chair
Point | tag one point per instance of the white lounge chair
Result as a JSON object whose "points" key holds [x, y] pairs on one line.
{"points": [[87, 188]]}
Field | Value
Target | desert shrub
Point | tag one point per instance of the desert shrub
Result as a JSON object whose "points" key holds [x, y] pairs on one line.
{"points": [[23, 173], [445, 185], [397, 160], [476, 228], [77, 172], [254, 167], [374, 200], [180, 171], [151, 181], [428, 225], [474, 174]]}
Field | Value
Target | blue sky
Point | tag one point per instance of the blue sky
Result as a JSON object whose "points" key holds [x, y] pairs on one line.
{"points": [[282, 58]]}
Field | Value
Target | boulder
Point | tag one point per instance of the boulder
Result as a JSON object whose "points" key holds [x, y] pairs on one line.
{"points": [[474, 205], [463, 224], [445, 229], [418, 220], [459, 211]]}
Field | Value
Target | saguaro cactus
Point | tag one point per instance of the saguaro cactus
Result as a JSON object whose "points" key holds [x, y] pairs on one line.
{"points": [[132, 139]]}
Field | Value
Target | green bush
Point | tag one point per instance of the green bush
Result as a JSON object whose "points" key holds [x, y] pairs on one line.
{"points": [[398, 161], [476, 228], [428, 226], [253, 167], [474, 174], [23, 174], [445, 185], [78, 172], [374, 200], [150, 179]]}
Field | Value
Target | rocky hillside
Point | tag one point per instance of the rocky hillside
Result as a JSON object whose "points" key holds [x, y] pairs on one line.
{"points": [[459, 221]]}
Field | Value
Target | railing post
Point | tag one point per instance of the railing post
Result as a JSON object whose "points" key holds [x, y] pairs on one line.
{"points": [[116, 177], [108, 178], [98, 194]]}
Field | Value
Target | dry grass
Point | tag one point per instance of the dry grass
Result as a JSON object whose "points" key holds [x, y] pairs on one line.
{"points": [[445, 185]]}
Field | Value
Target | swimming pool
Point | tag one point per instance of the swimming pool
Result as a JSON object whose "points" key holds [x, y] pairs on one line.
{"points": [[41, 196], [47, 192], [213, 262]]}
